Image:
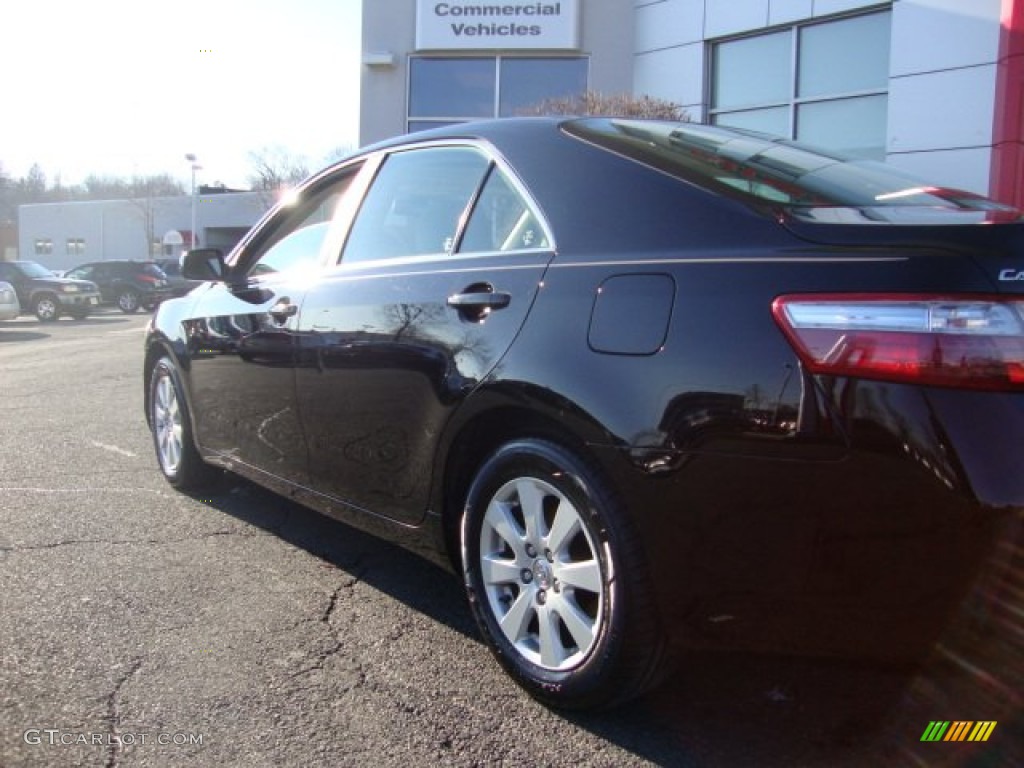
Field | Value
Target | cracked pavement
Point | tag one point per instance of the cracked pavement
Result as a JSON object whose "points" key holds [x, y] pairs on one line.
{"points": [[142, 627]]}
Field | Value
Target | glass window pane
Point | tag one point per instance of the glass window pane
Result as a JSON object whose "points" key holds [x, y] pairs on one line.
{"points": [[756, 70], [854, 126], [845, 56], [502, 220], [426, 125], [415, 204], [299, 230], [451, 87], [527, 83], [774, 121]]}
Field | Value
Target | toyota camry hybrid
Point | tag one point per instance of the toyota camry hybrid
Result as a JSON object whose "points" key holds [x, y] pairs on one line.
{"points": [[645, 386]]}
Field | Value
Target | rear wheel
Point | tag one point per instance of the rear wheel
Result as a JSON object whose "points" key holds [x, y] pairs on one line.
{"points": [[176, 451], [556, 579], [46, 308]]}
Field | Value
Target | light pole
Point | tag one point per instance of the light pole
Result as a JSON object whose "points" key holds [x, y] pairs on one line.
{"points": [[195, 167]]}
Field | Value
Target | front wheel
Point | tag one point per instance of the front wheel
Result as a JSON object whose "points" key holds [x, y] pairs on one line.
{"points": [[46, 308], [169, 422], [556, 579], [128, 301]]}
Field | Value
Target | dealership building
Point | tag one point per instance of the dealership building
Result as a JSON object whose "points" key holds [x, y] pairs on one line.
{"points": [[935, 87], [62, 235]]}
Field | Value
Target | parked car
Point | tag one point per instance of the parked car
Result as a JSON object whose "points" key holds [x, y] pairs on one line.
{"points": [[126, 283], [47, 295], [644, 385], [178, 284], [10, 307]]}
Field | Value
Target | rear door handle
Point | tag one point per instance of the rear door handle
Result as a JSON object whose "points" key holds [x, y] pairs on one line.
{"points": [[478, 300]]}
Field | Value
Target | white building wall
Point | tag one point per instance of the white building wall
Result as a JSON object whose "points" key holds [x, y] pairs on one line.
{"points": [[116, 229], [942, 63], [942, 89]]}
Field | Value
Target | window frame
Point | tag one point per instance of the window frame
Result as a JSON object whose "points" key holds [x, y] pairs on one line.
{"points": [[496, 162], [244, 259], [794, 101]]}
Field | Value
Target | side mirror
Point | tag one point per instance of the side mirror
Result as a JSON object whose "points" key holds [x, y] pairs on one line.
{"points": [[203, 264]]}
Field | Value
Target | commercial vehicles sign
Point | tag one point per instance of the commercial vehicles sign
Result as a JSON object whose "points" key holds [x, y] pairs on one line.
{"points": [[465, 24]]}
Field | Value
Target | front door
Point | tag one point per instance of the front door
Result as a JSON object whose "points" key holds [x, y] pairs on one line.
{"points": [[242, 337]]}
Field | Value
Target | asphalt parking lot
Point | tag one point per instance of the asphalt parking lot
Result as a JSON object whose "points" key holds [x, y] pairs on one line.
{"points": [[142, 627]]}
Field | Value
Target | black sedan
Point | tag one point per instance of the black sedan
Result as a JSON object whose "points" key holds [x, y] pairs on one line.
{"points": [[644, 385]]}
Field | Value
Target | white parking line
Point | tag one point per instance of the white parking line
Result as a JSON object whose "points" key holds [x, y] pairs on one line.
{"points": [[113, 449]]}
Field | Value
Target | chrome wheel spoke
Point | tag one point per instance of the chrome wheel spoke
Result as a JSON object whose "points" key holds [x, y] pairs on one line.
{"points": [[531, 502], [515, 624], [497, 571], [499, 523], [579, 624], [552, 652], [585, 575], [564, 528]]}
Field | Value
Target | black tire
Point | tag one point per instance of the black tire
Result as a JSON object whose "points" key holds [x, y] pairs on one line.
{"points": [[128, 300], [171, 427], [604, 644], [46, 307]]}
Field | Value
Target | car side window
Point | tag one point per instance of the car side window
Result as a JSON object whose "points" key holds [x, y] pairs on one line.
{"points": [[415, 204], [295, 241], [503, 220], [81, 273]]}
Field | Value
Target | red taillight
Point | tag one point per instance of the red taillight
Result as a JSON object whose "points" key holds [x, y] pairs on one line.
{"points": [[972, 342], [148, 279]]}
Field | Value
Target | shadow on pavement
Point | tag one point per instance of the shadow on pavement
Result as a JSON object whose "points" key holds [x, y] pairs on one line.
{"points": [[19, 335], [408, 578], [721, 708]]}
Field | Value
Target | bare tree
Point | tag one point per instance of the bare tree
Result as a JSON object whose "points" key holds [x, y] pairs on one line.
{"points": [[274, 168], [338, 153], [610, 105]]}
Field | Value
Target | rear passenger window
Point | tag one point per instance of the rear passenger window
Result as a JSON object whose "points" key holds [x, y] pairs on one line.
{"points": [[415, 204], [502, 220]]}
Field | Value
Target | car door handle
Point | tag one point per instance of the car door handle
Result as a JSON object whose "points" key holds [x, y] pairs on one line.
{"points": [[481, 300]]}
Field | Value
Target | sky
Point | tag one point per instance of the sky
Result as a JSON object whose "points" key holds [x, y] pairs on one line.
{"points": [[126, 87]]}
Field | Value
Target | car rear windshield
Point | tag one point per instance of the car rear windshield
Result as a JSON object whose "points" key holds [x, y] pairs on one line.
{"points": [[773, 172]]}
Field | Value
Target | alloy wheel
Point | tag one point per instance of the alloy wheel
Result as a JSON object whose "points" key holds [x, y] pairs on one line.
{"points": [[541, 573], [167, 424]]}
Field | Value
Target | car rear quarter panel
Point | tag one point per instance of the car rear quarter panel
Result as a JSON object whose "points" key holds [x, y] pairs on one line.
{"points": [[777, 509]]}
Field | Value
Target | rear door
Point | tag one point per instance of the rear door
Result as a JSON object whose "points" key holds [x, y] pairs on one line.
{"points": [[440, 268]]}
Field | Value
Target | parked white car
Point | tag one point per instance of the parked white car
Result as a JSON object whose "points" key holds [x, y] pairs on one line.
{"points": [[10, 308]]}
